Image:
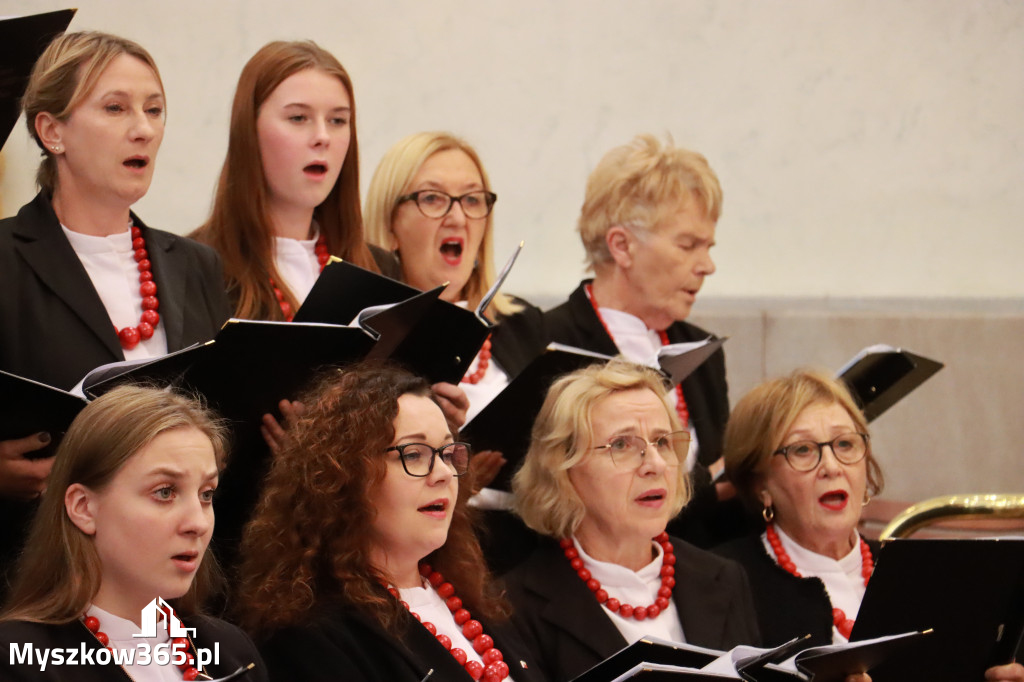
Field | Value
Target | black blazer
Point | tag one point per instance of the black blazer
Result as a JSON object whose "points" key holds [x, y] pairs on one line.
{"points": [[53, 326], [787, 606], [518, 338], [568, 630], [236, 649], [341, 643]]}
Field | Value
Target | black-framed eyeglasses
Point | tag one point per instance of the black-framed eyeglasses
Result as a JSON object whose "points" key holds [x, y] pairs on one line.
{"points": [[435, 204], [627, 451], [805, 455], [418, 458]]}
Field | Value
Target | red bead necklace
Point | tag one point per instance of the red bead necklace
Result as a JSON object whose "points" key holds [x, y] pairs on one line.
{"points": [[322, 256], [668, 581], [681, 408], [494, 668], [482, 364], [178, 644], [130, 336], [867, 566]]}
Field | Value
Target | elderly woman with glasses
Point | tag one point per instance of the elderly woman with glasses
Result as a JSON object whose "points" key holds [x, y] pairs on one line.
{"points": [[360, 563], [601, 480], [798, 448]]}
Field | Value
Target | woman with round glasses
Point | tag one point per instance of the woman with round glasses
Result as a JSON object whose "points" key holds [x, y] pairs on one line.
{"points": [[601, 480], [798, 448], [430, 202], [360, 562]]}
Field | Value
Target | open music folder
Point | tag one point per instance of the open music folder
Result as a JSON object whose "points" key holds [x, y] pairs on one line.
{"points": [[879, 376], [656, 659], [970, 591], [28, 407]]}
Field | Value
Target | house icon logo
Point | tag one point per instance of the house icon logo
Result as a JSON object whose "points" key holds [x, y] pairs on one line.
{"points": [[160, 614]]}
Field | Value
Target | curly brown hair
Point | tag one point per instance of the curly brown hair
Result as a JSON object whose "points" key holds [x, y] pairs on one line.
{"points": [[309, 541]]}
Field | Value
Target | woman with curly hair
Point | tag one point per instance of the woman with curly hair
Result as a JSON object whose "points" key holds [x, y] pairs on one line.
{"points": [[360, 562]]}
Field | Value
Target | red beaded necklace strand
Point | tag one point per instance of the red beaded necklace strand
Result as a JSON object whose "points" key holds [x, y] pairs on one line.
{"points": [[322, 256], [130, 336], [178, 644], [482, 364], [494, 668], [668, 581], [681, 408], [867, 566]]}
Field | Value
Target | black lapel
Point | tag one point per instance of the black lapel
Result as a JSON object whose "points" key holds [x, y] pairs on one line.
{"points": [[700, 599], [41, 242], [585, 318], [420, 650], [170, 272], [571, 606]]}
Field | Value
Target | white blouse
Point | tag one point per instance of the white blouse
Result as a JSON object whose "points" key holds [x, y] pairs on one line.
{"points": [[110, 264], [843, 579], [431, 608], [638, 588], [295, 260]]}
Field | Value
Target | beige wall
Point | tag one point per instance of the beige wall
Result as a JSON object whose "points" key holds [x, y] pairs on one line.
{"points": [[961, 431], [868, 148]]}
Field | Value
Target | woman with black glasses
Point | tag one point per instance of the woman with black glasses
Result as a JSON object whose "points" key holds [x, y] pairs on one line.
{"points": [[360, 562], [798, 449], [430, 202]]}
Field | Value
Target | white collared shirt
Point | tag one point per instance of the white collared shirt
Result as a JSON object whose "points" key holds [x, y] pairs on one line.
{"points": [[296, 263], [637, 588], [110, 263], [843, 579]]}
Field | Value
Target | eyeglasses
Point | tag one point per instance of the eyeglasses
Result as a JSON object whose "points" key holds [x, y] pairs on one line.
{"points": [[628, 452], [418, 458], [436, 204], [805, 455]]}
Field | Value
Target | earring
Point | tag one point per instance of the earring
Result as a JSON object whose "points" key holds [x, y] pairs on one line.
{"points": [[768, 513], [56, 149], [867, 499]]}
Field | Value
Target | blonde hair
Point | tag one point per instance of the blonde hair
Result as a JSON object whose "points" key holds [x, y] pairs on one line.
{"points": [[545, 497], [637, 185], [64, 75], [391, 180], [763, 417], [59, 571]]}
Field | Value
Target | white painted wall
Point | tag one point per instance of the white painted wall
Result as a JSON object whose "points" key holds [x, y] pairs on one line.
{"points": [[868, 148]]}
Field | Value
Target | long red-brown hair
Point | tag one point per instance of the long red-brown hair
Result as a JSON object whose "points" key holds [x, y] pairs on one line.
{"points": [[239, 227], [310, 540]]}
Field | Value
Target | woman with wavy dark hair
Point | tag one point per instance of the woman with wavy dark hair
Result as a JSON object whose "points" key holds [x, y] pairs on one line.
{"points": [[361, 562]]}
